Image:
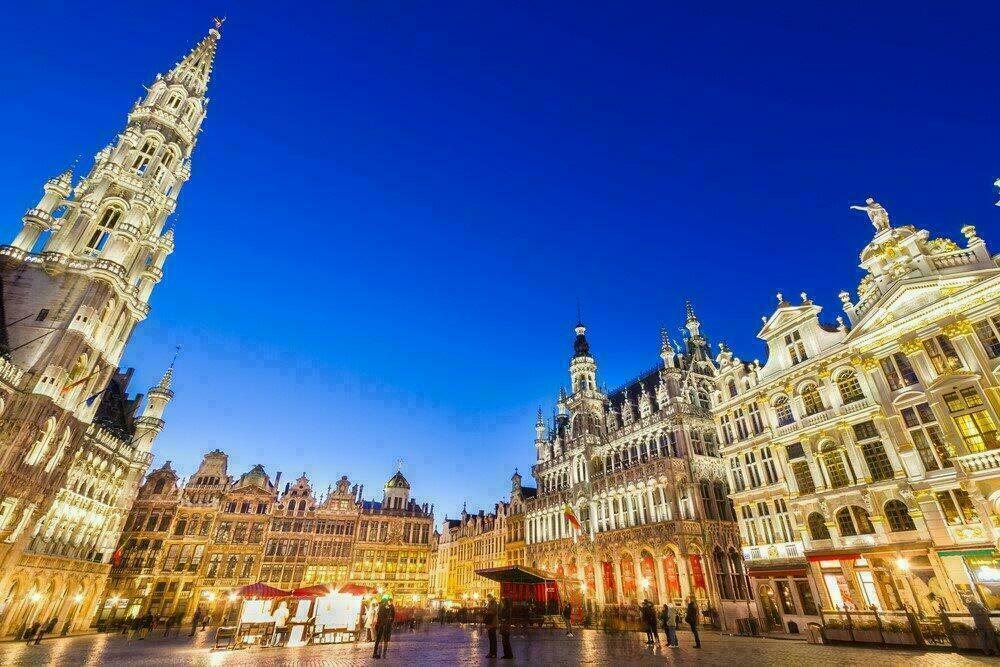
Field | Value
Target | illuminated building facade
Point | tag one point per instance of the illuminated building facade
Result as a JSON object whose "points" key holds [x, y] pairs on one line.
{"points": [[469, 543], [863, 456], [75, 282], [639, 468]]}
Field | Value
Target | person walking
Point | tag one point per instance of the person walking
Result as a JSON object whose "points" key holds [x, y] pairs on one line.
{"points": [[30, 633], [506, 614], [195, 620], [167, 625], [648, 614], [567, 614], [691, 618], [46, 629], [490, 620]]}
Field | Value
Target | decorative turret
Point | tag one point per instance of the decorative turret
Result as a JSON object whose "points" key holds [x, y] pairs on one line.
{"points": [[150, 423], [396, 490], [582, 368], [666, 350], [691, 324]]}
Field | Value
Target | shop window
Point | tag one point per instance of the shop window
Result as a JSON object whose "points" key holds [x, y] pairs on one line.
{"points": [[785, 594], [806, 597]]}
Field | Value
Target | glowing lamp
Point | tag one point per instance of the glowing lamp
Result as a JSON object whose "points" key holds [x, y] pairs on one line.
{"points": [[233, 597], [903, 564]]}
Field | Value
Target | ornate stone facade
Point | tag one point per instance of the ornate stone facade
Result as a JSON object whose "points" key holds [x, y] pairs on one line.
{"points": [[639, 469], [75, 283], [863, 455]]}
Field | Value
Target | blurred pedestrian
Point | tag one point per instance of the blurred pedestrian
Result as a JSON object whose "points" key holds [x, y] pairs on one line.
{"points": [[30, 633], [567, 614], [195, 620], [691, 618], [506, 614], [490, 620], [648, 613], [46, 629]]}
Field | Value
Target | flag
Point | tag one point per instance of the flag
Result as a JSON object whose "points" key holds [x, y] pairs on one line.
{"points": [[571, 516], [116, 557], [72, 385], [90, 401]]}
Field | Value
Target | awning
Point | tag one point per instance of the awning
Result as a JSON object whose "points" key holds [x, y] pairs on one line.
{"points": [[977, 551], [777, 572], [833, 555], [322, 590], [260, 590], [518, 574]]}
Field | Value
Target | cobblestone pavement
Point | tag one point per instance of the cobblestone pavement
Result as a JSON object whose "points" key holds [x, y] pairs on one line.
{"points": [[454, 645]]}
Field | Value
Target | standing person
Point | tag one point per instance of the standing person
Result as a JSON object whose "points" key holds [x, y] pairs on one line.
{"points": [[382, 623], [648, 613], [983, 625], [46, 629], [490, 621], [506, 612], [389, 626], [669, 617], [169, 624], [691, 618], [370, 617], [195, 620], [567, 614]]}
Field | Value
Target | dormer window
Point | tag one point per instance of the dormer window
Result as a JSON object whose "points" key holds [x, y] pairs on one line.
{"points": [[796, 348]]}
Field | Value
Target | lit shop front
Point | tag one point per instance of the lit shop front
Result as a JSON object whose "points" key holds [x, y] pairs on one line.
{"points": [[976, 573]]}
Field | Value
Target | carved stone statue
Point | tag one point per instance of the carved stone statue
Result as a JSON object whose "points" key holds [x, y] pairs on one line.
{"points": [[876, 213]]}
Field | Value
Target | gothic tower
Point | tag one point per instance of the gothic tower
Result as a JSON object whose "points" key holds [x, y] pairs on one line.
{"points": [[73, 285]]}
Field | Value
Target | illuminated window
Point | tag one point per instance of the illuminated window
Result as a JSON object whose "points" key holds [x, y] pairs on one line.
{"points": [[975, 425], [927, 436], [942, 354], [850, 387], [988, 332], [957, 507], [898, 371], [817, 527], [898, 516], [811, 399]]}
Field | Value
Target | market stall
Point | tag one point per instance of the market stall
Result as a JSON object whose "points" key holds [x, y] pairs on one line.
{"points": [[326, 613], [263, 615], [534, 594]]}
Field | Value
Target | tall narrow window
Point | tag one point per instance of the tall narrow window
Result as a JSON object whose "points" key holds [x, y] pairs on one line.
{"points": [[107, 221], [973, 421], [783, 410], [811, 399], [796, 349], [988, 332], [770, 471], [873, 450], [898, 371], [141, 161], [942, 354], [803, 477], [927, 436]]}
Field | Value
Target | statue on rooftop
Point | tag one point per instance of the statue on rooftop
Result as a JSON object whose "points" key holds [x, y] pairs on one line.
{"points": [[876, 213]]}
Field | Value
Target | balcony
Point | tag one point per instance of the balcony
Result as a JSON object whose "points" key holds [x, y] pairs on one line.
{"points": [[979, 462]]}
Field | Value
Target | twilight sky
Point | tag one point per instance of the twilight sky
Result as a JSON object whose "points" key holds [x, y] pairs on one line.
{"points": [[394, 210]]}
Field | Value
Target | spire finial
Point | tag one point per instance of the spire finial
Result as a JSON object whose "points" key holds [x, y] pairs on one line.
{"points": [[399, 465], [168, 377], [689, 309], [579, 317]]}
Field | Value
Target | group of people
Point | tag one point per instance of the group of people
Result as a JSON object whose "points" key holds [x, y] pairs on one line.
{"points": [[37, 630], [498, 617], [378, 622], [670, 618]]}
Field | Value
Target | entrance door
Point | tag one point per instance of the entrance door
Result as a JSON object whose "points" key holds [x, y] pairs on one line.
{"points": [[768, 603]]}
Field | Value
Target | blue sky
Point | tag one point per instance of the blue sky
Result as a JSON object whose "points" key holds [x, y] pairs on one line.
{"points": [[394, 207]]}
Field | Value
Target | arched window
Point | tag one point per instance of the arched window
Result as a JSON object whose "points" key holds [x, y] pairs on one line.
{"points": [[42, 442], [898, 516], [107, 221], [854, 520], [722, 576], [783, 410], [190, 112], [850, 387], [732, 388], [174, 100], [811, 399], [817, 527], [739, 578], [158, 487], [58, 454], [141, 161]]}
